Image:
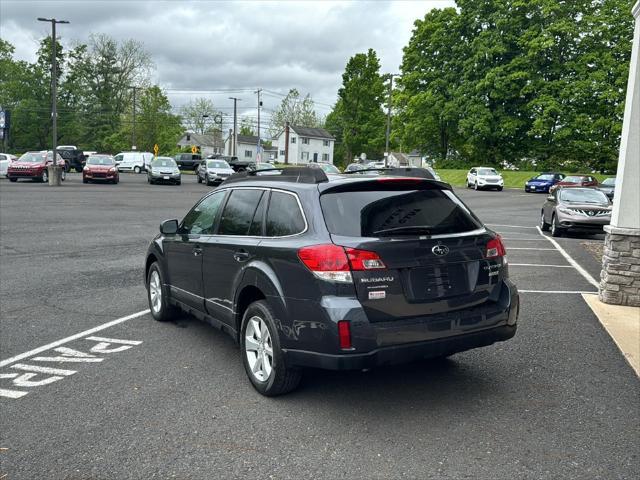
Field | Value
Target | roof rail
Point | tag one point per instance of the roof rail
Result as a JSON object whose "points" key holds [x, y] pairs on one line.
{"points": [[287, 174], [413, 172]]}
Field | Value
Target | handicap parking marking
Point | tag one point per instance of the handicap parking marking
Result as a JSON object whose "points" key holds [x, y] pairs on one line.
{"points": [[34, 374]]}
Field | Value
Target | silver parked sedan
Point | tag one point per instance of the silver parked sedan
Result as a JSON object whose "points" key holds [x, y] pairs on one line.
{"points": [[575, 208], [164, 170]]}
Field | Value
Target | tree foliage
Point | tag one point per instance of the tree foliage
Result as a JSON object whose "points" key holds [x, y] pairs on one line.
{"points": [[358, 120], [198, 115], [517, 80], [295, 109]]}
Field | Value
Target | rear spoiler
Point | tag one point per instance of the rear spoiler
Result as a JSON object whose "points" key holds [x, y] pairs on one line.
{"points": [[384, 183]]}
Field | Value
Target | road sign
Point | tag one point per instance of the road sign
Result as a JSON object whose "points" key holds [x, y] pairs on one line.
{"points": [[194, 149], [156, 149]]}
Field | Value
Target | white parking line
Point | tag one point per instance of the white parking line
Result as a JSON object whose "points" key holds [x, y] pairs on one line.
{"points": [[522, 239], [575, 264], [502, 225], [554, 291], [532, 248], [538, 265], [57, 343]]}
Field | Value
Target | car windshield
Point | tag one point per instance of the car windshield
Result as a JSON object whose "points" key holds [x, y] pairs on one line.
{"points": [[100, 160], [609, 181], [573, 179], [487, 171], [264, 166], [583, 195], [329, 168], [392, 212], [545, 176], [164, 162], [217, 164], [32, 157]]}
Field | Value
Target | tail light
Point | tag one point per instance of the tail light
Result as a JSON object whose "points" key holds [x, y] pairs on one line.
{"points": [[334, 263], [344, 334], [495, 248]]}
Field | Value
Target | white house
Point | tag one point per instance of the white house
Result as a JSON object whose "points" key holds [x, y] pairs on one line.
{"points": [[247, 147], [306, 145]]}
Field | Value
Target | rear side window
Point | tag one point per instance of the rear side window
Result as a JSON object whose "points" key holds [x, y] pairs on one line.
{"points": [[239, 211], [385, 213], [284, 216]]}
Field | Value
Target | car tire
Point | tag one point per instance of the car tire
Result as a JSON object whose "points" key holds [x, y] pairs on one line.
{"points": [[544, 226], [158, 295], [12, 179], [179, 182], [209, 182], [555, 230], [270, 375], [475, 186], [199, 178], [63, 175], [499, 189], [136, 169], [44, 178]]}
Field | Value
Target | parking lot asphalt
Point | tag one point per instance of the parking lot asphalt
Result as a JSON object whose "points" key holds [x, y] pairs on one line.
{"points": [[151, 400]]}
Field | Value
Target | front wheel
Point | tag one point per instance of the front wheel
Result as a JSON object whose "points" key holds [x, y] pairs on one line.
{"points": [[261, 353], [544, 226], [199, 178], [556, 231], [157, 294], [13, 179], [44, 178], [137, 169], [499, 189], [475, 186]]}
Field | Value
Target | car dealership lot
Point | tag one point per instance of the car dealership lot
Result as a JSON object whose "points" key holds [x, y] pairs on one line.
{"points": [[556, 401]]}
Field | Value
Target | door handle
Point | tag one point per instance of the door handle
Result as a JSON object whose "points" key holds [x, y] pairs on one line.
{"points": [[241, 255], [197, 251]]}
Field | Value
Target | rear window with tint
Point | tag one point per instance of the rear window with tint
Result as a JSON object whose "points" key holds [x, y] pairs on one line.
{"points": [[284, 216], [385, 213]]}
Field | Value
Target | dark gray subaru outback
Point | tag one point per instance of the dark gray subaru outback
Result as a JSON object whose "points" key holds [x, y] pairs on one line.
{"points": [[335, 272]]}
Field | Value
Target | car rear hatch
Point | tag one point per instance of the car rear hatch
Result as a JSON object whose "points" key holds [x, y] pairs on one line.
{"points": [[435, 255]]}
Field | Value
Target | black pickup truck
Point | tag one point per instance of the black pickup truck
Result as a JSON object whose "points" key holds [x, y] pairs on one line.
{"points": [[188, 161], [74, 158]]}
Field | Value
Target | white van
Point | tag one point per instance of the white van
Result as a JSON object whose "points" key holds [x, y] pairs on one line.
{"points": [[133, 161]]}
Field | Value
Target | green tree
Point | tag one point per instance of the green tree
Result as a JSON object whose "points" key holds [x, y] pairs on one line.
{"points": [[358, 112], [246, 127], [295, 109], [198, 114]]}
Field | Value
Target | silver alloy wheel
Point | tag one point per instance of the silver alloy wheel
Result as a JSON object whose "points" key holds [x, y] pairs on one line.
{"points": [[542, 223], [137, 170], [45, 176], [554, 226], [258, 348], [155, 291]]}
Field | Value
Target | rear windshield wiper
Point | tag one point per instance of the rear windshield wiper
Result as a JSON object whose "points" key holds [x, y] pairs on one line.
{"points": [[424, 230]]}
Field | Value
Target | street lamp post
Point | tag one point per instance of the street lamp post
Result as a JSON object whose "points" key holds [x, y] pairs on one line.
{"points": [[388, 132], [54, 169]]}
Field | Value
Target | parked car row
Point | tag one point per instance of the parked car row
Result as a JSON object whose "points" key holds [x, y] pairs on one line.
{"points": [[547, 182], [33, 166], [578, 209]]}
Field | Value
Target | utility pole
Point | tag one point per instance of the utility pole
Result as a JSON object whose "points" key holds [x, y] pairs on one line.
{"points": [[133, 131], [386, 142], [235, 126], [259, 155], [54, 171]]}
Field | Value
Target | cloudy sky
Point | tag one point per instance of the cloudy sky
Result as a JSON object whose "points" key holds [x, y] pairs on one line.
{"points": [[202, 47]]}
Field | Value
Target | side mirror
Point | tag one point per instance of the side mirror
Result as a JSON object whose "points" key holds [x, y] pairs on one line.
{"points": [[169, 227]]}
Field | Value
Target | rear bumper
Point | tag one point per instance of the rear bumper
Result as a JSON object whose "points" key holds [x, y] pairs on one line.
{"points": [[400, 353], [399, 341]]}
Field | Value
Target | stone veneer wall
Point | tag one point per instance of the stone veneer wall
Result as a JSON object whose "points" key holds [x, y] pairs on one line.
{"points": [[620, 276]]}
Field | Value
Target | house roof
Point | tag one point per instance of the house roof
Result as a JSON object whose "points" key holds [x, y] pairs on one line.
{"points": [[201, 140], [250, 139], [312, 132]]}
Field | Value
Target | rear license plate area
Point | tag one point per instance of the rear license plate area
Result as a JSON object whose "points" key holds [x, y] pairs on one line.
{"points": [[437, 281]]}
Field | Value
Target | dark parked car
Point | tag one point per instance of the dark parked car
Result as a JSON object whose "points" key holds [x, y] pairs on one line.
{"points": [[575, 208], [100, 168], [543, 182], [74, 158], [33, 165], [345, 272], [608, 187], [188, 161]]}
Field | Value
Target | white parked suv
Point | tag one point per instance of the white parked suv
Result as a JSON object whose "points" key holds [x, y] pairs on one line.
{"points": [[5, 160], [484, 177], [133, 161]]}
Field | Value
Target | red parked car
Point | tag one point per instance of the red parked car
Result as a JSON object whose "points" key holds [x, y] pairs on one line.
{"points": [[576, 181], [33, 165], [100, 168]]}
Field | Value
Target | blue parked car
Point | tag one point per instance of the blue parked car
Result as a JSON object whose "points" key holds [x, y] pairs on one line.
{"points": [[543, 182]]}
